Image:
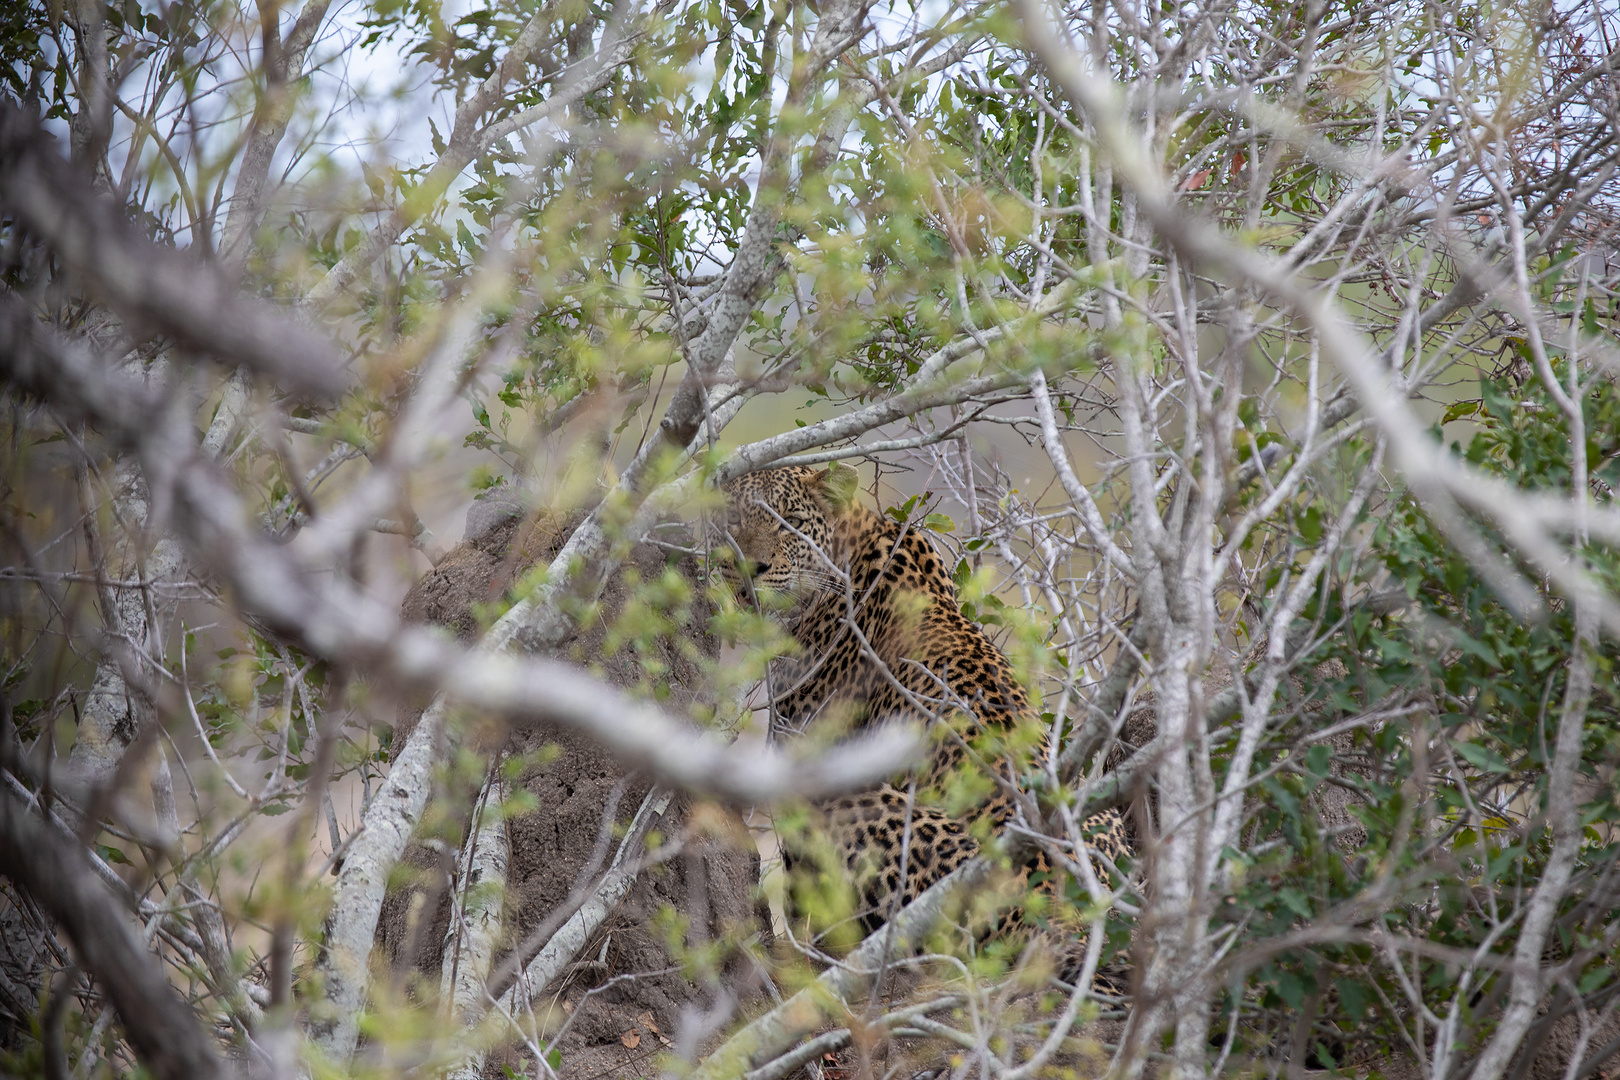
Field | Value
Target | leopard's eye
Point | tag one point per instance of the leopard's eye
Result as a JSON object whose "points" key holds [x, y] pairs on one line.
{"points": [[797, 520]]}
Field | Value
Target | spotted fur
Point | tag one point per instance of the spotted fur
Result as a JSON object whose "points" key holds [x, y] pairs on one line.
{"points": [[882, 637]]}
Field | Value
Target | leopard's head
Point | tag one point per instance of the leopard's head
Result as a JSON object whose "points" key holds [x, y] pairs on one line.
{"points": [[782, 522]]}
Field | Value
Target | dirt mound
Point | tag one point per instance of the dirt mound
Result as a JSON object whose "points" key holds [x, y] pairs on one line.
{"points": [[622, 998]]}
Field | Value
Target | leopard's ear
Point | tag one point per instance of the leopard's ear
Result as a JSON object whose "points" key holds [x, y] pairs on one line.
{"points": [[838, 483]]}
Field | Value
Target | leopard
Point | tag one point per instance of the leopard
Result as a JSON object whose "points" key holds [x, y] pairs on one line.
{"points": [[882, 637]]}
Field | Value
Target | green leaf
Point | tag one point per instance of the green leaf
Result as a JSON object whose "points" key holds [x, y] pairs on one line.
{"points": [[112, 855], [1481, 757], [1295, 901], [1354, 997], [1459, 409], [1291, 989], [1475, 647], [1310, 526]]}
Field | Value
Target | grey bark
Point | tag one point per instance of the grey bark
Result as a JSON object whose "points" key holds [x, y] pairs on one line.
{"points": [[1564, 819], [475, 924], [157, 1021], [113, 712], [842, 986], [153, 289], [198, 305]]}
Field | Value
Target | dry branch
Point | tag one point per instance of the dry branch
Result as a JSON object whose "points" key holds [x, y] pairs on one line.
{"points": [[52, 868], [840, 988], [156, 290], [338, 623]]}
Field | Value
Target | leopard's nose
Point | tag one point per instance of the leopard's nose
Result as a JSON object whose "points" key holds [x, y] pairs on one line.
{"points": [[735, 567]]}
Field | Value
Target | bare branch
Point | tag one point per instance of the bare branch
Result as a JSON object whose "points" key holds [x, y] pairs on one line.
{"points": [[468, 143], [841, 986], [156, 290], [158, 1022], [344, 626]]}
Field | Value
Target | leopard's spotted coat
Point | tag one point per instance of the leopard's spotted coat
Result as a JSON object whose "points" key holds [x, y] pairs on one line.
{"points": [[882, 637]]}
